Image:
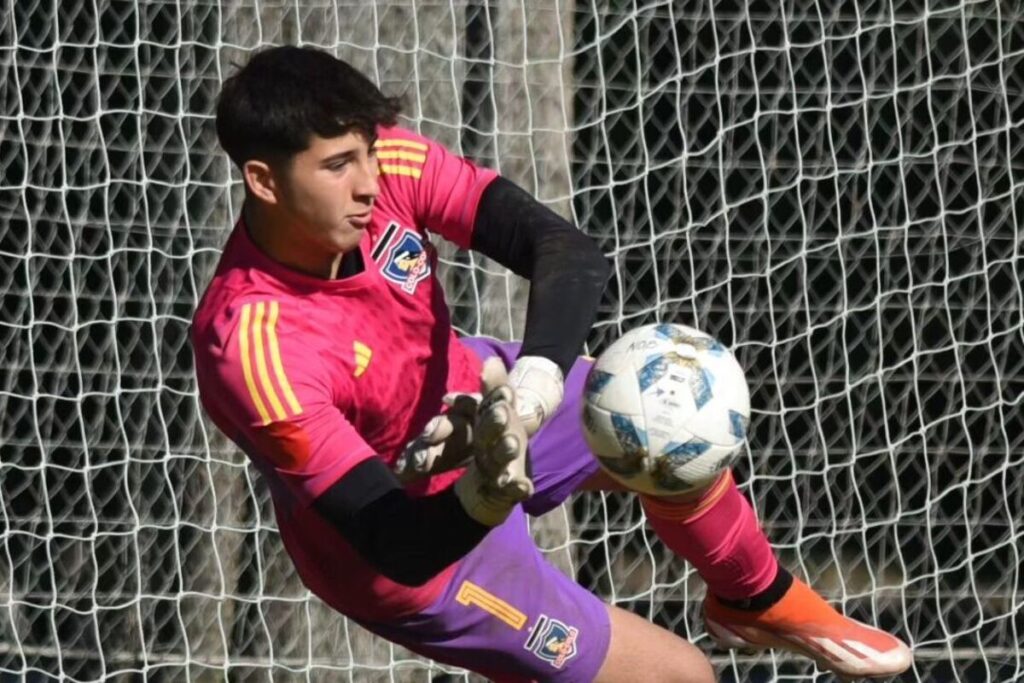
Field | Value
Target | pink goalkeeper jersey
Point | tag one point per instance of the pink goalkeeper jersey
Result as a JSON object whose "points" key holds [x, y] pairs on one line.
{"points": [[310, 376]]}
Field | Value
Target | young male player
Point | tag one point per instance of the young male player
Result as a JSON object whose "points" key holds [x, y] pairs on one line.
{"points": [[324, 350]]}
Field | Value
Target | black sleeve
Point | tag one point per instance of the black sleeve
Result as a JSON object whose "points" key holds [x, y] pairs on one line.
{"points": [[567, 271], [409, 540]]}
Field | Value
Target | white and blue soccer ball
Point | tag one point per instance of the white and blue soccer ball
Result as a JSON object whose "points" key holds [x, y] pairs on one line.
{"points": [[666, 409]]}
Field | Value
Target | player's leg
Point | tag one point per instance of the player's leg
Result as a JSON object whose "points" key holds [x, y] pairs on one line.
{"points": [[638, 645], [717, 532], [511, 616], [715, 529], [752, 602]]}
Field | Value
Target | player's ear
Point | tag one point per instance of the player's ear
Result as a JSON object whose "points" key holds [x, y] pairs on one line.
{"points": [[260, 180]]}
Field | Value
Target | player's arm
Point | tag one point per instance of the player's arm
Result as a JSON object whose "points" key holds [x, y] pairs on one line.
{"points": [[409, 539], [475, 208], [567, 274], [263, 388], [566, 270], [275, 401]]}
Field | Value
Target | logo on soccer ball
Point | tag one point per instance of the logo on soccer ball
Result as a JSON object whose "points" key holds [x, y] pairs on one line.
{"points": [[408, 263], [552, 641]]}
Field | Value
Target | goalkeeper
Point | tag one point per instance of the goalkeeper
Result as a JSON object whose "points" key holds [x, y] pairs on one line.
{"points": [[324, 349]]}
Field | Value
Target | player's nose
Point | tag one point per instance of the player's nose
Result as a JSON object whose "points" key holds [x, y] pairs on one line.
{"points": [[367, 184]]}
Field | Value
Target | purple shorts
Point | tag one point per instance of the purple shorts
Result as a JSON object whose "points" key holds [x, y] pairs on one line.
{"points": [[508, 614]]}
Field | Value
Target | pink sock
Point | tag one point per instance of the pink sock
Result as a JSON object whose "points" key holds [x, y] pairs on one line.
{"points": [[719, 535]]}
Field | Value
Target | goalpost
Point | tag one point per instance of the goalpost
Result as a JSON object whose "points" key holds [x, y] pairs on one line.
{"points": [[834, 189]]}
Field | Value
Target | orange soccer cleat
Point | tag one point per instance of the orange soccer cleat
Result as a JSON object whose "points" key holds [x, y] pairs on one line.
{"points": [[804, 623]]}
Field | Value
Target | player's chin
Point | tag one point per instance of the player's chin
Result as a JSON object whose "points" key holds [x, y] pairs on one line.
{"points": [[346, 238]]}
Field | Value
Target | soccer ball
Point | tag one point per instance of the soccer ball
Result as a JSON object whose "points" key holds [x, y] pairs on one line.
{"points": [[666, 409]]}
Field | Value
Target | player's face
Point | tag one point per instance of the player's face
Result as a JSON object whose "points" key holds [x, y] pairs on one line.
{"points": [[329, 189]]}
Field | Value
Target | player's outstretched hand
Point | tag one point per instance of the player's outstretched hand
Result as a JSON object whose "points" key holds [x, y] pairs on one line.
{"points": [[498, 476], [446, 443]]}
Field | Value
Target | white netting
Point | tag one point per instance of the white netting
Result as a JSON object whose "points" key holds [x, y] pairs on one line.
{"points": [[835, 189]]}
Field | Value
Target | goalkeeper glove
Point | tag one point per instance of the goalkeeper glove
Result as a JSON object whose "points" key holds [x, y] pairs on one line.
{"points": [[444, 444], [539, 387], [498, 475]]}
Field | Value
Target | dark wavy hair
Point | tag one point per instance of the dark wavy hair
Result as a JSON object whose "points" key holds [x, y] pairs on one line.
{"points": [[273, 105]]}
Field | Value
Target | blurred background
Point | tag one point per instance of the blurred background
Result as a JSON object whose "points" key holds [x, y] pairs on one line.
{"points": [[834, 189]]}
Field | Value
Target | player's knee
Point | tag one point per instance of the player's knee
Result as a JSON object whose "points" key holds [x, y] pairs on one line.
{"points": [[701, 672]]}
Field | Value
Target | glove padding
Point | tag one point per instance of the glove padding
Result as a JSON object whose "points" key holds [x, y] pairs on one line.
{"points": [[446, 443], [498, 476]]}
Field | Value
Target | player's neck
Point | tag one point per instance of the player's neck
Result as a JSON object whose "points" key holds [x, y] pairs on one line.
{"points": [[268, 235]]}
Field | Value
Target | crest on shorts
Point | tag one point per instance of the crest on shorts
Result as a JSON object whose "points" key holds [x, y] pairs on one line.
{"points": [[552, 641], [407, 262]]}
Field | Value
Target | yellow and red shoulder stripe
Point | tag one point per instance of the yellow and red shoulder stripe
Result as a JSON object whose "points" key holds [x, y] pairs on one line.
{"points": [[399, 156], [264, 373]]}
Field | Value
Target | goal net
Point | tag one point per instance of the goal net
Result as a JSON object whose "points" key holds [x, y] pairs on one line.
{"points": [[835, 190]]}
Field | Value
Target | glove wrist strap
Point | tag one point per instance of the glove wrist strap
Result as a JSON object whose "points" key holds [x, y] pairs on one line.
{"points": [[539, 387]]}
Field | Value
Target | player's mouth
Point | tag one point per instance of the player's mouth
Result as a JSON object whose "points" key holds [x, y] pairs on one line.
{"points": [[361, 220]]}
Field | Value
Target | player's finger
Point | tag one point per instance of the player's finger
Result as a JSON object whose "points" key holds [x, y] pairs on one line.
{"points": [[521, 489], [492, 421], [464, 404], [417, 460], [437, 430], [461, 437], [492, 376], [500, 396], [515, 486], [450, 398], [505, 450], [501, 393]]}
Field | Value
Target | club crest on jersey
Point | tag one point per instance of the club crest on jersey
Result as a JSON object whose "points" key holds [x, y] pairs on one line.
{"points": [[407, 262], [552, 641]]}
